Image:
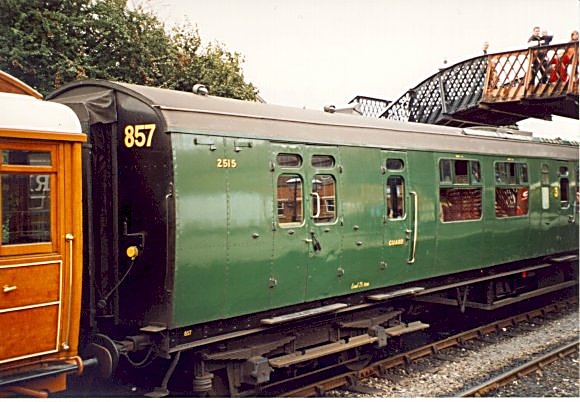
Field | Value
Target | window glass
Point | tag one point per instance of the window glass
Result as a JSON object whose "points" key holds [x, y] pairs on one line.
{"points": [[395, 197], [322, 161], [523, 172], [445, 170], [545, 180], [26, 200], [505, 173], [475, 172], [461, 172], [395, 164], [289, 199], [460, 204], [323, 198], [288, 160], [577, 199], [564, 192], [25, 158], [511, 201]]}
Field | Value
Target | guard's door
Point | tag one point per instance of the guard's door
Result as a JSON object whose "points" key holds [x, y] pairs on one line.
{"points": [[324, 229], [400, 217]]}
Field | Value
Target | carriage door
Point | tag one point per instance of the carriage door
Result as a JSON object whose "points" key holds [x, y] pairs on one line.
{"points": [[33, 267], [324, 234], [566, 183], [400, 213], [288, 276]]}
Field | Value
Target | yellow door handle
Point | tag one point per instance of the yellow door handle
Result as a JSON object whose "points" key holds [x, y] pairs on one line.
{"points": [[9, 288]]}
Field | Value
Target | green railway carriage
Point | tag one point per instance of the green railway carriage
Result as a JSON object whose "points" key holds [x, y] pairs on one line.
{"points": [[211, 216]]}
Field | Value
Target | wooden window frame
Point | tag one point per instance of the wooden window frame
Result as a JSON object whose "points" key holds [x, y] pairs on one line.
{"points": [[56, 156]]}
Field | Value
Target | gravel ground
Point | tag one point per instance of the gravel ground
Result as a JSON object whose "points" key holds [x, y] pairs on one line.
{"points": [[431, 377]]}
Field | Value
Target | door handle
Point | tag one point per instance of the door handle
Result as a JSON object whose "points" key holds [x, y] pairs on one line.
{"points": [[9, 288]]}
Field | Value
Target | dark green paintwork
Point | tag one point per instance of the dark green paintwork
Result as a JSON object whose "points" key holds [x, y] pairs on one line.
{"points": [[232, 258]]}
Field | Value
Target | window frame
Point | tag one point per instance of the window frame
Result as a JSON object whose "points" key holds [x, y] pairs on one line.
{"points": [[287, 201], [513, 188], [470, 184], [52, 171]]}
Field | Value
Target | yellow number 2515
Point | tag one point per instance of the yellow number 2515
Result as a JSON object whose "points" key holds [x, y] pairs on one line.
{"points": [[139, 135]]}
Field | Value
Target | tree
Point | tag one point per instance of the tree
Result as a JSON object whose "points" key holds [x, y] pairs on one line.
{"points": [[47, 43]]}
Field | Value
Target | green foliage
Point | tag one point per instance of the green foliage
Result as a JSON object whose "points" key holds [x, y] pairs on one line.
{"points": [[47, 43]]}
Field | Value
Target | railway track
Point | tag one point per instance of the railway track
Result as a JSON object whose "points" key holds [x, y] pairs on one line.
{"points": [[377, 369], [522, 370]]}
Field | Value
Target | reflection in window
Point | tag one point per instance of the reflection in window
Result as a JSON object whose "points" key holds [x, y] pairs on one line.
{"points": [[507, 173], [511, 201], [445, 170], [475, 173], [461, 172], [545, 175], [460, 204], [289, 160], [322, 161], [25, 158], [289, 198], [323, 198], [26, 200], [395, 197]]}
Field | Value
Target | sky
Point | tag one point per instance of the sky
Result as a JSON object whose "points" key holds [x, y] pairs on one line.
{"points": [[312, 53]]}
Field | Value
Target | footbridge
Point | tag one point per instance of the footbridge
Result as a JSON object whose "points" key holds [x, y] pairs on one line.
{"points": [[497, 89]]}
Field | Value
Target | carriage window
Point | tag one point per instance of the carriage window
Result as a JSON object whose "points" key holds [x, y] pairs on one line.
{"points": [[511, 198], [445, 170], [323, 198], [289, 199], [564, 190], [545, 181], [460, 204], [395, 197], [322, 161], [395, 164], [545, 175], [523, 169], [564, 187], [459, 171], [511, 201], [289, 160], [577, 199], [26, 200], [461, 175], [460, 193], [475, 172], [25, 158], [505, 173]]}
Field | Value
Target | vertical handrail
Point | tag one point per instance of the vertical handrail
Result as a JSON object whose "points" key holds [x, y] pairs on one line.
{"points": [[70, 239], [415, 228], [317, 214]]}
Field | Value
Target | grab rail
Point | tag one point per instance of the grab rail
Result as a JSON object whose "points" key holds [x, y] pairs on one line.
{"points": [[415, 222]]}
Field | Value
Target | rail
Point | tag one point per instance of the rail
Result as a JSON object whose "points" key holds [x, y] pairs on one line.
{"points": [[319, 387], [495, 89], [524, 369]]}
